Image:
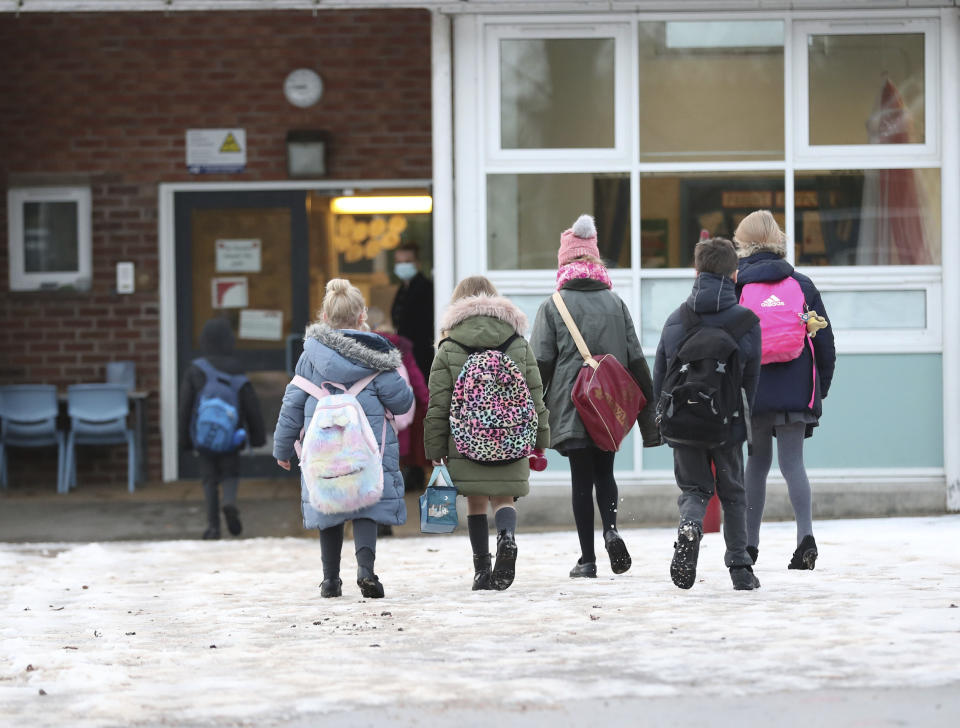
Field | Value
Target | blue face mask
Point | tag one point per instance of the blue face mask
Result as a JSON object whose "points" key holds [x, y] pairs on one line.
{"points": [[405, 271]]}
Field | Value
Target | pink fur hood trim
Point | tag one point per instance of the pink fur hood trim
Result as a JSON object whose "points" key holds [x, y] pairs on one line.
{"points": [[494, 306]]}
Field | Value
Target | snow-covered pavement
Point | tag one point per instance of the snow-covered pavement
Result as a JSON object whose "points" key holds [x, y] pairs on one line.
{"points": [[235, 632]]}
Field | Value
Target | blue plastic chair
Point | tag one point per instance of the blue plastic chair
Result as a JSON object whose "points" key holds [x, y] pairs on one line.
{"points": [[98, 416], [28, 418]]}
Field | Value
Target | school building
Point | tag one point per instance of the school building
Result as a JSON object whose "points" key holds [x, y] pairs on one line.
{"points": [[165, 161]]}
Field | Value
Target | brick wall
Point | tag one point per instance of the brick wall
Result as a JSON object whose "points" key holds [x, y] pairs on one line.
{"points": [[105, 99]]}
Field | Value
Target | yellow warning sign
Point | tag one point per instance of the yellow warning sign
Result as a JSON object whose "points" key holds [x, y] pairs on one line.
{"points": [[230, 144]]}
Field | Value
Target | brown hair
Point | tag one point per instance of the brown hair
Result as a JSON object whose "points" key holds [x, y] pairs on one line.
{"points": [[473, 286], [716, 255], [343, 305]]}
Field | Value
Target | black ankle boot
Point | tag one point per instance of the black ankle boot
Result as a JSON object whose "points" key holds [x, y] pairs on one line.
{"points": [[686, 551], [743, 578], [331, 588], [481, 572], [805, 557], [232, 516], [620, 560], [505, 567], [369, 583], [211, 534]]}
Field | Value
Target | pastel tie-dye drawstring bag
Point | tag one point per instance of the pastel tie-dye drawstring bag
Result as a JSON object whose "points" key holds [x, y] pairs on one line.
{"points": [[342, 464]]}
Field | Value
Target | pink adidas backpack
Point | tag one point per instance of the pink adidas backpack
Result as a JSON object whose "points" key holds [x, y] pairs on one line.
{"points": [[780, 306]]}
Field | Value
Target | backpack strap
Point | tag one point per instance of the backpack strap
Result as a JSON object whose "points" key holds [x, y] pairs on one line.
{"points": [[309, 387], [474, 349], [574, 331], [468, 349]]}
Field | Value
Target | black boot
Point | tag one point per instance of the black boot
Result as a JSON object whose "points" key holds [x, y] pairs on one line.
{"points": [[481, 572], [331, 588], [584, 570], [211, 534], [743, 578], [369, 583], [505, 567], [686, 550], [805, 557], [620, 560], [232, 515], [753, 552]]}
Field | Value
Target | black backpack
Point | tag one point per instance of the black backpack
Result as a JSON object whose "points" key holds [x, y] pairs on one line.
{"points": [[702, 396]]}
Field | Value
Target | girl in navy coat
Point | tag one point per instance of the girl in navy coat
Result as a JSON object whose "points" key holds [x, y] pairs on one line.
{"points": [[336, 349], [789, 397]]}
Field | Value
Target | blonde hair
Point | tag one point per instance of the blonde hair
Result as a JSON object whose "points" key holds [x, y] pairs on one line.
{"points": [[759, 230], [473, 286], [343, 305]]}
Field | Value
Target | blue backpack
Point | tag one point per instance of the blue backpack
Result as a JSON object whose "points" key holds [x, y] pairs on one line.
{"points": [[216, 415]]}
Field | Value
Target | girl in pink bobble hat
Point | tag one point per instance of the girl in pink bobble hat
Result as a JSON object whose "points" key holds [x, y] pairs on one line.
{"points": [[605, 323]]}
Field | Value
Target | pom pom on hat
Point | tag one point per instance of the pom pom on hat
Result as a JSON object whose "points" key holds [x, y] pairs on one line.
{"points": [[579, 240]]}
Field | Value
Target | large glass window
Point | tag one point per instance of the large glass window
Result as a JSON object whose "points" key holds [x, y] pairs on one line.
{"points": [[557, 93], [675, 207], [866, 88], [711, 90], [527, 212], [867, 217]]}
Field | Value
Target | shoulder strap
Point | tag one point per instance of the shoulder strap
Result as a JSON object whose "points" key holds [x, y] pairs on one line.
{"points": [[506, 344], [468, 349], [574, 331], [309, 387], [361, 384], [474, 349], [742, 324]]}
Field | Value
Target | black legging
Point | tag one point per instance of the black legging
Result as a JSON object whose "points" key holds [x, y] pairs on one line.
{"points": [[591, 467]]}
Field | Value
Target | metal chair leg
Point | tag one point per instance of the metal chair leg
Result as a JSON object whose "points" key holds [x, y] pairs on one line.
{"points": [[131, 463]]}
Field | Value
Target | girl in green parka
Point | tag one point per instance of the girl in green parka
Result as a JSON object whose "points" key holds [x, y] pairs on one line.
{"points": [[478, 317]]}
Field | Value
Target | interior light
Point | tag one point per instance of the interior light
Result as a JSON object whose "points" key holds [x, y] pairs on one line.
{"points": [[409, 204]]}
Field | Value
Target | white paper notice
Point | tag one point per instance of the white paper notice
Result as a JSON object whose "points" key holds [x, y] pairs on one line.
{"points": [[256, 324], [238, 256], [229, 292]]}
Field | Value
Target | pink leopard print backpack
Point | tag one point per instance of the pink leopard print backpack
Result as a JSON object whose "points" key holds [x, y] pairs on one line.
{"points": [[492, 416]]}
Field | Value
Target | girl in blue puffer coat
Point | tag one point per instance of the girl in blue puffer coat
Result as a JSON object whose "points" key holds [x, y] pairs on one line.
{"points": [[338, 349]]}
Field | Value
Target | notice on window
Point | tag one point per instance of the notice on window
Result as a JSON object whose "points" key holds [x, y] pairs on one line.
{"points": [[229, 292], [264, 325], [238, 256], [216, 151]]}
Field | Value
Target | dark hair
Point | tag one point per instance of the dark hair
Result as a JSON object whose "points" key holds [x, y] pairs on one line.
{"points": [[716, 255], [410, 248]]}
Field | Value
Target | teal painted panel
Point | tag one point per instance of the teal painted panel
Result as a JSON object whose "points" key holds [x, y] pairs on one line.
{"points": [[884, 411]]}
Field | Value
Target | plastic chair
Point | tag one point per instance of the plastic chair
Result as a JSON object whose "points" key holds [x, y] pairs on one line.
{"points": [[98, 416], [122, 372], [28, 418]]}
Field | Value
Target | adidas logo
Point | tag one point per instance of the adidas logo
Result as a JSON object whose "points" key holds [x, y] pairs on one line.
{"points": [[772, 301]]}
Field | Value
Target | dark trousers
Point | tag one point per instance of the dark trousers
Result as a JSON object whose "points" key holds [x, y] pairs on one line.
{"points": [[592, 469], [217, 470], [691, 467]]}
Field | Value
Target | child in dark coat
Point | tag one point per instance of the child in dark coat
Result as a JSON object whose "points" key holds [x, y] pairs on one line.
{"points": [[219, 468], [714, 302]]}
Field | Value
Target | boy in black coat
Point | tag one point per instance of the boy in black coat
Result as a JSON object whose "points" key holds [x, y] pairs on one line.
{"points": [[714, 300], [216, 342]]}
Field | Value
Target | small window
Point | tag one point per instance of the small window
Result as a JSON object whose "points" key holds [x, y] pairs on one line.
{"points": [[49, 234]]}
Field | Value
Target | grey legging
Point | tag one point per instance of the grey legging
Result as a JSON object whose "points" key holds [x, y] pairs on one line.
{"points": [[790, 458]]}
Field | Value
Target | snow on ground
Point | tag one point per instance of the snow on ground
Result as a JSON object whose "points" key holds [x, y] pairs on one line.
{"points": [[235, 632]]}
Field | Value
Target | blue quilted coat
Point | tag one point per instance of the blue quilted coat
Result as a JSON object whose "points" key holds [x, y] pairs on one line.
{"points": [[345, 356]]}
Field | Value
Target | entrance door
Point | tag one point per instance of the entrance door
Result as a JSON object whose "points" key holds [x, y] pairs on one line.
{"points": [[245, 256]]}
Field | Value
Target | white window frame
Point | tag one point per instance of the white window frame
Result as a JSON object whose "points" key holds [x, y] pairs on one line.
{"points": [[20, 279], [839, 156], [499, 159]]}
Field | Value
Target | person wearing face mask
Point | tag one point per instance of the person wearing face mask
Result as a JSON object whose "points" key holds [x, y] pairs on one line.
{"points": [[412, 310]]}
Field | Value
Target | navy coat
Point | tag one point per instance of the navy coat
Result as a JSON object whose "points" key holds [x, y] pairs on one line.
{"points": [[786, 386], [714, 299], [345, 357]]}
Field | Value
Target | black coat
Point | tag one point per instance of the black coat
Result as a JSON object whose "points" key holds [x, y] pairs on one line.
{"points": [[714, 299], [786, 386], [412, 314], [216, 342]]}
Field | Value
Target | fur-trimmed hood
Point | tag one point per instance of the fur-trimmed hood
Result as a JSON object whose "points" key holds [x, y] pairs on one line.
{"points": [[745, 250], [496, 307], [364, 348]]}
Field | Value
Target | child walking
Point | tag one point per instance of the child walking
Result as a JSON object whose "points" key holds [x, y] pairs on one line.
{"points": [[337, 349], [219, 374], [704, 381], [478, 319], [792, 386], [606, 326]]}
